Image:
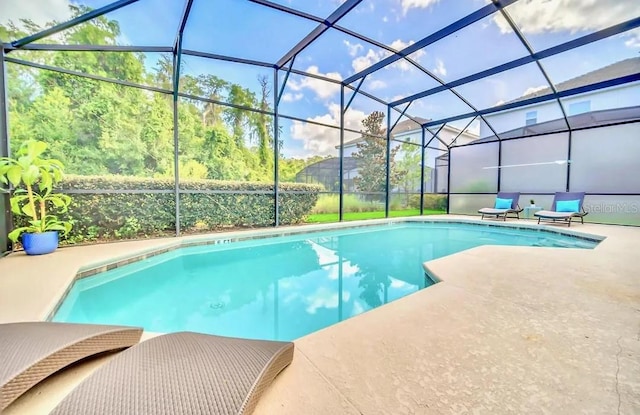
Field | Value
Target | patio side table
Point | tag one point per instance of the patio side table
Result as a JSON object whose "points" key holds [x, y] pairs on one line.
{"points": [[530, 210]]}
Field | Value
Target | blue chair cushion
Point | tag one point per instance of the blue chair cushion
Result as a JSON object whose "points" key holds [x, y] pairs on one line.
{"points": [[503, 203], [572, 206]]}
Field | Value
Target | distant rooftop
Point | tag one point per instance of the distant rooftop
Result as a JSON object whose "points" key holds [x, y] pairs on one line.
{"points": [[407, 126], [584, 120], [615, 70]]}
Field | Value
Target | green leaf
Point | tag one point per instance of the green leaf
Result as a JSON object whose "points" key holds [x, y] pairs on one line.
{"points": [[45, 181], [15, 206], [30, 176], [60, 201], [15, 234], [27, 210], [36, 148], [14, 175], [37, 226]]}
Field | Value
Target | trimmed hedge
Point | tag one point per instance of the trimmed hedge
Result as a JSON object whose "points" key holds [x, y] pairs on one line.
{"points": [[431, 201], [138, 215]]}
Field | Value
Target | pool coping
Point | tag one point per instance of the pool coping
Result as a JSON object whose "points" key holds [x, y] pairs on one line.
{"points": [[98, 267]]}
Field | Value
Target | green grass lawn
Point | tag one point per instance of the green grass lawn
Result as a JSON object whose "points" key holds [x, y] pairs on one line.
{"points": [[333, 217]]}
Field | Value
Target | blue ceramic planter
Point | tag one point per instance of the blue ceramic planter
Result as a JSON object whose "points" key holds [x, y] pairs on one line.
{"points": [[40, 243]]}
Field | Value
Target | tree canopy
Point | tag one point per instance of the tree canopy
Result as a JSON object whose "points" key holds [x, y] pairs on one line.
{"points": [[371, 156], [97, 127]]}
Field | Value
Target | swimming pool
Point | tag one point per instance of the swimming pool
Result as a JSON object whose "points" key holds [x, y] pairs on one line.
{"points": [[282, 287]]}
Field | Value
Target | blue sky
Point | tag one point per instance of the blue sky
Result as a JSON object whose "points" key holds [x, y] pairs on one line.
{"points": [[246, 30]]}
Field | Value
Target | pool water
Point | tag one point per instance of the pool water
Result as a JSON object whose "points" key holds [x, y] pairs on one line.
{"points": [[281, 288]]}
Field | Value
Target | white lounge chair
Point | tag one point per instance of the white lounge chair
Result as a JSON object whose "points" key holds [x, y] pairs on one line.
{"points": [[565, 206], [506, 203]]}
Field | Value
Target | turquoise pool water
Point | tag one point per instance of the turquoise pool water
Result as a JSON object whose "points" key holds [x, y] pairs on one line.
{"points": [[283, 287]]}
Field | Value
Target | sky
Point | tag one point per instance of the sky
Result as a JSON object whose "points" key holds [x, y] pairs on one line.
{"points": [[242, 29]]}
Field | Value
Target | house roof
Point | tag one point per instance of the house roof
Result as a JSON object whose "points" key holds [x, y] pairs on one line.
{"points": [[615, 70], [331, 165], [406, 126], [400, 128], [584, 120]]}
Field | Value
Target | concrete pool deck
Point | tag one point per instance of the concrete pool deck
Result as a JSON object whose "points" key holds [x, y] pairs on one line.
{"points": [[507, 330]]}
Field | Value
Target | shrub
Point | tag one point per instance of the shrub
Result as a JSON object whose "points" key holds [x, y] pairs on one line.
{"points": [[149, 210], [434, 202], [350, 203], [398, 202], [327, 204], [353, 203], [431, 202]]}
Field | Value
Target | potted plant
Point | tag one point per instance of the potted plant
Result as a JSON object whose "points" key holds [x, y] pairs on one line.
{"points": [[33, 178], [533, 203]]}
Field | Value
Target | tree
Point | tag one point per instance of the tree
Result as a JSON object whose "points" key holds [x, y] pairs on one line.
{"points": [[371, 156], [263, 126], [238, 118], [408, 169], [163, 72], [212, 87], [97, 127], [224, 159], [157, 136]]}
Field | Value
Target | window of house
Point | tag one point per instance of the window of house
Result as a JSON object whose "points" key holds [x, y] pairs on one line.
{"points": [[531, 118], [579, 107]]}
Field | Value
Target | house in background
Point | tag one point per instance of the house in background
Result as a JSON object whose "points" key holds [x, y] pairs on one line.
{"points": [[612, 105], [547, 117], [410, 131], [326, 172]]}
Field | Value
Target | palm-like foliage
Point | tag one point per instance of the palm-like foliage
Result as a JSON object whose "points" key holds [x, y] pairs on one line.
{"points": [[31, 169], [34, 176]]}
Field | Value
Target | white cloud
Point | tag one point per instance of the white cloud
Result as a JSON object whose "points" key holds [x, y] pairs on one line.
{"points": [[535, 17], [440, 68], [500, 90], [323, 89], [322, 298], [40, 12], [400, 284], [289, 97], [377, 84], [364, 61], [321, 140], [385, 19], [415, 4], [533, 89], [633, 40], [403, 64], [354, 48]]}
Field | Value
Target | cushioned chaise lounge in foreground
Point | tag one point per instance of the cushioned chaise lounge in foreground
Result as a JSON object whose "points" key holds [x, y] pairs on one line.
{"points": [[32, 351], [506, 203], [181, 373], [565, 206]]}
